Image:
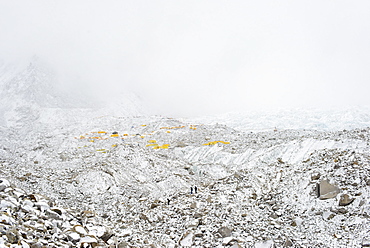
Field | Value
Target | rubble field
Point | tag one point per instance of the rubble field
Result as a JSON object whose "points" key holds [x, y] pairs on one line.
{"points": [[129, 182]]}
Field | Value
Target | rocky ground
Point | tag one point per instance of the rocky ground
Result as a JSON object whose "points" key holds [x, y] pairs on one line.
{"points": [[113, 182], [32, 220]]}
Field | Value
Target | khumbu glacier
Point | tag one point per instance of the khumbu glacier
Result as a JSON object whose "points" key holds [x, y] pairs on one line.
{"points": [[78, 171]]}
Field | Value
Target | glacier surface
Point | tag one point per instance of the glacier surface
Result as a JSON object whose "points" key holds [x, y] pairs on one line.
{"points": [[258, 186]]}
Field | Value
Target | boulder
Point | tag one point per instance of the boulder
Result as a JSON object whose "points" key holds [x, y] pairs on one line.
{"points": [[288, 243], [227, 240], [187, 239], [53, 215], [365, 242], [73, 236], [143, 217], [193, 224], [198, 215], [180, 144], [224, 231], [236, 245], [345, 200], [125, 233], [79, 229], [30, 221], [107, 234], [13, 236], [368, 182], [4, 184], [154, 205], [327, 190], [328, 215], [122, 244], [315, 176], [88, 240], [264, 244]]}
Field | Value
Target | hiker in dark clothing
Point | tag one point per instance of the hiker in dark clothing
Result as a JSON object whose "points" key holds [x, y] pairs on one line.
{"points": [[195, 189], [168, 201], [191, 190]]}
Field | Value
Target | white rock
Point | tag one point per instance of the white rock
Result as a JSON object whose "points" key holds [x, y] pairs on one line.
{"points": [[96, 230], [2, 241], [236, 245], [8, 190], [227, 240], [266, 244], [338, 236], [24, 244], [80, 229], [327, 215], [73, 236], [187, 240], [4, 184], [28, 203], [48, 224], [18, 192], [365, 242], [13, 200], [42, 205], [88, 239], [30, 209], [249, 239], [125, 233], [112, 241], [298, 221], [66, 225], [6, 204], [193, 224], [6, 219]]}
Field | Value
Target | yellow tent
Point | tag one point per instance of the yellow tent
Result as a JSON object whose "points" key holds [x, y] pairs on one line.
{"points": [[215, 142]]}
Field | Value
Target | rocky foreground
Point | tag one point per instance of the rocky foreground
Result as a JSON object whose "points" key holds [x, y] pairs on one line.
{"points": [[281, 188], [32, 220]]}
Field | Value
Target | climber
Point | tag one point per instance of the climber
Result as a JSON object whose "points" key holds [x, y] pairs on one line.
{"points": [[191, 190], [168, 201], [195, 189]]}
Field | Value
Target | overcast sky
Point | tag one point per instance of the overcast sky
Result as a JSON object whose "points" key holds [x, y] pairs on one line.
{"points": [[201, 57]]}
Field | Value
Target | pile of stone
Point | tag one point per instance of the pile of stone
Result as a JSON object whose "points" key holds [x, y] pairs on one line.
{"points": [[320, 199], [33, 221], [310, 204]]}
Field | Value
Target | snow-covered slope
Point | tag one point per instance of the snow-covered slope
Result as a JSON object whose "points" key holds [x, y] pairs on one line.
{"points": [[34, 93]]}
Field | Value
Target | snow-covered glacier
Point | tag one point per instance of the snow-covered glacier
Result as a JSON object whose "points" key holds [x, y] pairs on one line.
{"points": [[80, 172]]}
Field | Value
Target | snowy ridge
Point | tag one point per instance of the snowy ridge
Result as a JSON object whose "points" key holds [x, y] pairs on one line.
{"points": [[34, 92], [291, 152], [311, 119]]}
